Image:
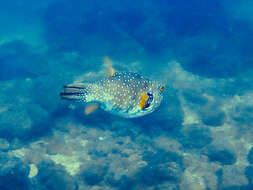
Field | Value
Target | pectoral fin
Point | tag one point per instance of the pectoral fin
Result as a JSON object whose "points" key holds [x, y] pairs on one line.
{"points": [[90, 108], [110, 70]]}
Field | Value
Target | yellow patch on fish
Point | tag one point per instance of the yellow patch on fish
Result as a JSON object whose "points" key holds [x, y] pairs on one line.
{"points": [[144, 99]]}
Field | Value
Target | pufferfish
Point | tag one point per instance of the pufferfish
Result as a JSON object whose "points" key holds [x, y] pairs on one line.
{"points": [[125, 94]]}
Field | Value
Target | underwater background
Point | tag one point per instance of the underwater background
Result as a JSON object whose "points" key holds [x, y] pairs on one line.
{"points": [[200, 138]]}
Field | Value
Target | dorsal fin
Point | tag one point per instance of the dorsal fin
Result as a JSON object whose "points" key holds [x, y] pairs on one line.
{"points": [[108, 63]]}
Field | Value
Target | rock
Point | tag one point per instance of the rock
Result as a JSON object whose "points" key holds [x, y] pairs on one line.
{"points": [[4, 144], [195, 137], [249, 174], [250, 156], [224, 157], [213, 117], [53, 177], [13, 173], [94, 174]]}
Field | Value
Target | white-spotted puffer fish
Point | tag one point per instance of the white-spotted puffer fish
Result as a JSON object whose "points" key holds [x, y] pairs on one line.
{"points": [[125, 94]]}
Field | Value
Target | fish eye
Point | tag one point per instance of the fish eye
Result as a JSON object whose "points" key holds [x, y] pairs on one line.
{"points": [[162, 89]]}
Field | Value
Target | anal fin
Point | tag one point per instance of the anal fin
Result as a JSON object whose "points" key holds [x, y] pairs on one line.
{"points": [[90, 108]]}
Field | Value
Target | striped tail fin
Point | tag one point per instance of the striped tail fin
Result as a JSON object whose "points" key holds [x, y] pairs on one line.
{"points": [[74, 91]]}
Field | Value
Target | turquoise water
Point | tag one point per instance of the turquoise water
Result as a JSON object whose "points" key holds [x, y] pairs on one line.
{"points": [[200, 138]]}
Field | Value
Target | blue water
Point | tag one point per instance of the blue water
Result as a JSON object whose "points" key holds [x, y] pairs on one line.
{"points": [[200, 138]]}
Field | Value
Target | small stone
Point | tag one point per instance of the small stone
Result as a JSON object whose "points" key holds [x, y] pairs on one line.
{"points": [[33, 171]]}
